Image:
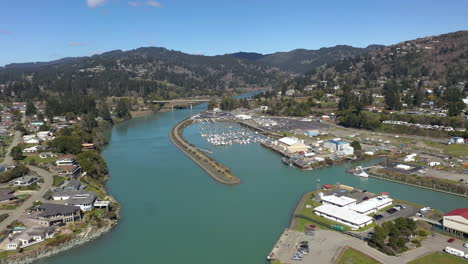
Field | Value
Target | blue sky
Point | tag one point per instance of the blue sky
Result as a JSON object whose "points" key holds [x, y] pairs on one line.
{"points": [[43, 30]]}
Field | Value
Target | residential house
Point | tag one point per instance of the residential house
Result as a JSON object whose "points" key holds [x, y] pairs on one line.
{"points": [[7, 195], [29, 237], [56, 214], [66, 160], [44, 155], [25, 180], [69, 170]]}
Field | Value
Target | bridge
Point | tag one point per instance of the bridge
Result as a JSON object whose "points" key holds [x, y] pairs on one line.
{"points": [[181, 101], [175, 102]]}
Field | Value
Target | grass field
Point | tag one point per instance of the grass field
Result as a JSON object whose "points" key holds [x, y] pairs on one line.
{"points": [[58, 180], [452, 149], [38, 160], [439, 258], [351, 256]]}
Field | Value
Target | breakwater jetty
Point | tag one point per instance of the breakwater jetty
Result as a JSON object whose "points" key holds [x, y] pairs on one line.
{"points": [[216, 170]]}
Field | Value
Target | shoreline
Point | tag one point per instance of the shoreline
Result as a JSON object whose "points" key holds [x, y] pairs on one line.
{"points": [[46, 251]]}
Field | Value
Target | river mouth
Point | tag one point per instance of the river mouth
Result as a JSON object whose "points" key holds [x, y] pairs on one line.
{"points": [[172, 212]]}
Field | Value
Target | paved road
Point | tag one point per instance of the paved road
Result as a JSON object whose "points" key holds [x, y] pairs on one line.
{"points": [[8, 161], [36, 196]]}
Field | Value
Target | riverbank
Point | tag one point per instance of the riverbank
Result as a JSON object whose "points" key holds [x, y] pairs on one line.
{"points": [[50, 249], [213, 168]]}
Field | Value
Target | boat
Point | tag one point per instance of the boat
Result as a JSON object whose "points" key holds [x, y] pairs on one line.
{"points": [[287, 161], [359, 171]]}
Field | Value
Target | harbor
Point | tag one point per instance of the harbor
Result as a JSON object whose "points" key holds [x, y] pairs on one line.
{"points": [[254, 212]]}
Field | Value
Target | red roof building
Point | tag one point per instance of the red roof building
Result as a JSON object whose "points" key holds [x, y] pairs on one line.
{"points": [[457, 222], [460, 212]]}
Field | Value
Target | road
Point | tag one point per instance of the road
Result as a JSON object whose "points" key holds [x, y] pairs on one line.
{"points": [[8, 161], [36, 196]]}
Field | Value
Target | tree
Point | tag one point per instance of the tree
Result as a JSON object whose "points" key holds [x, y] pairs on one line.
{"points": [[356, 145], [91, 162], [30, 108], [17, 153], [123, 109], [66, 144], [212, 104]]}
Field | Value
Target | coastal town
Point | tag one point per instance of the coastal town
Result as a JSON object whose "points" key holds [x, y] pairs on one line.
{"points": [[306, 132], [47, 197]]}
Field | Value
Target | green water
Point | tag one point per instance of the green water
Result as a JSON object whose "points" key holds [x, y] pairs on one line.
{"points": [[174, 213]]}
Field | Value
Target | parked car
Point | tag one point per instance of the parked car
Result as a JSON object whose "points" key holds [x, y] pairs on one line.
{"points": [[465, 245], [378, 217], [391, 210], [451, 240], [401, 206], [366, 198]]}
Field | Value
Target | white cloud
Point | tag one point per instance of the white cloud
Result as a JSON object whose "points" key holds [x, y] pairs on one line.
{"points": [[75, 44], [151, 43], [95, 3], [201, 53], [151, 3]]}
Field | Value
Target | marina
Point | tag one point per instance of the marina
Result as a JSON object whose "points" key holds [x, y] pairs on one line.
{"points": [[248, 217]]}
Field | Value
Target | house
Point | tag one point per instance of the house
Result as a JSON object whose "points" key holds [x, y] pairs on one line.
{"points": [[30, 149], [44, 155], [7, 195], [29, 237], [456, 222], [32, 141], [24, 181], [340, 147], [102, 204], [66, 160], [56, 214], [88, 146], [456, 140], [292, 145], [84, 199], [69, 170]]}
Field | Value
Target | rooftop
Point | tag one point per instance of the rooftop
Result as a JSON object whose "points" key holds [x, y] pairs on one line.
{"points": [[344, 214], [338, 200], [56, 209], [463, 212], [288, 141], [370, 204]]}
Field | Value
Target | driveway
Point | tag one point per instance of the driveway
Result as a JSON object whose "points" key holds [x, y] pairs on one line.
{"points": [[36, 196], [8, 161]]}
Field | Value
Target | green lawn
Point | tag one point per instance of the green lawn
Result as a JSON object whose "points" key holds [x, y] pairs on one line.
{"points": [[38, 159], [352, 256], [58, 180], [452, 149], [439, 258]]}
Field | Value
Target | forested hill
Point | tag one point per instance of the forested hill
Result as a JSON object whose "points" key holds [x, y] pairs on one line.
{"points": [[406, 73], [303, 60], [158, 72]]}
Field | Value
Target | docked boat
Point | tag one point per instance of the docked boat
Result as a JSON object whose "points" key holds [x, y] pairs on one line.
{"points": [[359, 171], [287, 161]]}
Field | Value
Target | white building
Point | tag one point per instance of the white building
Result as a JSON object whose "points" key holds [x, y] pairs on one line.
{"points": [[340, 147], [343, 215], [456, 140], [66, 160], [340, 201], [372, 205]]}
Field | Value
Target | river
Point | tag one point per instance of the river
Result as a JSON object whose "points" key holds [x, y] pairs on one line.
{"points": [[172, 212]]}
